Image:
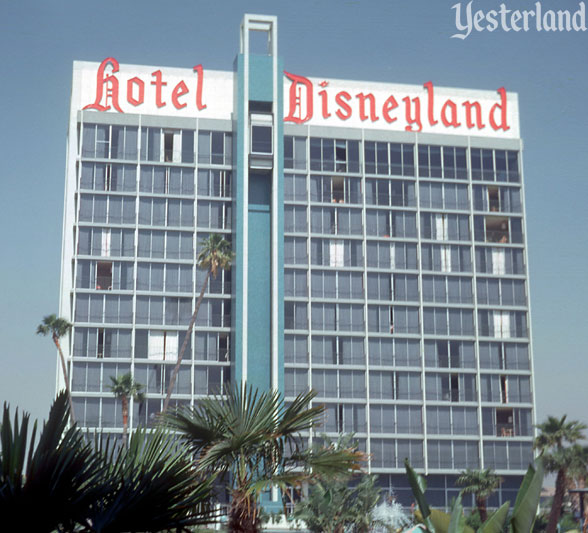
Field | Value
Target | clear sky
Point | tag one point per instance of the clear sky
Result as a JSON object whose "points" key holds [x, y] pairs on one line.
{"points": [[383, 40]]}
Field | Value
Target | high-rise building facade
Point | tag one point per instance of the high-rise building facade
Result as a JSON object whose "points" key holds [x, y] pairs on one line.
{"points": [[380, 254]]}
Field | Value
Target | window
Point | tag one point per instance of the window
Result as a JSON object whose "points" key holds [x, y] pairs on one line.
{"points": [[108, 177], [295, 219], [442, 227], [215, 183], [443, 195], [454, 387], [385, 351], [494, 165], [388, 385], [337, 317], [447, 289], [295, 381], [389, 158], [396, 419], [168, 244], [449, 354], [327, 252], [340, 418], [105, 208], [295, 251], [497, 199], [104, 275], [339, 383], [162, 180], [502, 324], [167, 145], [295, 349], [106, 242], [447, 162], [392, 453], [212, 347], [453, 454], [295, 283], [214, 147], [452, 420], [492, 291], [295, 152], [506, 422], [211, 379], [387, 192], [102, 342], [295, 187], [335, 189], [295, 315], [334, 155], [103, 141], [214, 215], [104, 308], [163, 346], [327, 350], [261, 134], [213, 312]]}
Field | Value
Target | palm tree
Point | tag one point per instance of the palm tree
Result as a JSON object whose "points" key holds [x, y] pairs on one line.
{"points": [[215, 255], [125, 387], [252, 441], [79, 486], [554, 433], [482, 484], [58, 327]]}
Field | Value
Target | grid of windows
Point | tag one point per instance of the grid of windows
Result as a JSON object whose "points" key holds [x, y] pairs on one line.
{"points": [[366, 275]]}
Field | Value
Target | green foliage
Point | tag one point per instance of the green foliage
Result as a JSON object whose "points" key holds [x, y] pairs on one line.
{"points": [[126, 387], [339, 504], [56, 327], [215, 253], [253, 441], [473, 520], [482, 484], [62, 482], [521, 521], [52, 482], [555, 434]]}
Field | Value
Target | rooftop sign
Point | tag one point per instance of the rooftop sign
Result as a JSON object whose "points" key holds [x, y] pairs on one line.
{"points": [[196, 92]]}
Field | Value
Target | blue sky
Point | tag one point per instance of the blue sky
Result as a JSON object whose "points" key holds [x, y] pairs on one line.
{"points": [[391, 41]]}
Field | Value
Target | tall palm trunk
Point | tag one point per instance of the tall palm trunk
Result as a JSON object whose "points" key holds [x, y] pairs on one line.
{"points": [[125, 417], [66, 378], [481, 505], [176, 369], [558, 497]]}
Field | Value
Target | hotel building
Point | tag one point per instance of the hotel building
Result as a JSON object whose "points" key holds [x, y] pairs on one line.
{"points": [[380, 254]]}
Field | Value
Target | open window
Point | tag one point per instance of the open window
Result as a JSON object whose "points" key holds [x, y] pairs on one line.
{"points": [[172, 148], [503, 389], [223, 347], [505, 423], [104, 275], [497, 229], [340, 156], [338, 189], [100, 347], [493, 199], [454, 387]]}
